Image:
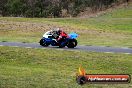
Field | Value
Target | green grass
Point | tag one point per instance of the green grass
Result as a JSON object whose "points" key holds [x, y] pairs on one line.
{"points": [[39, 68], [93, 31], [111, 29], [120, 12]]}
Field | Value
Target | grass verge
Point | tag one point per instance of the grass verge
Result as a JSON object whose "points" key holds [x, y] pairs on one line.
{"points": [[48, 68]]}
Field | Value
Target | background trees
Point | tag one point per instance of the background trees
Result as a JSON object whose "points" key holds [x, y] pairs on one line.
{"points": [[51, 8]]}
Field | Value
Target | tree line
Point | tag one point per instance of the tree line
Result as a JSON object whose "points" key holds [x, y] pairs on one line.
{"points": [[51, 8]]}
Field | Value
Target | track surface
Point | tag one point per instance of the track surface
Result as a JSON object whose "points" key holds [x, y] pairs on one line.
{"points": [[85, 48]]}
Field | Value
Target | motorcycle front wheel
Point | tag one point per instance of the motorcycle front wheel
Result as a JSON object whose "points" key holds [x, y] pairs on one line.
{"points": [[43, 44]]}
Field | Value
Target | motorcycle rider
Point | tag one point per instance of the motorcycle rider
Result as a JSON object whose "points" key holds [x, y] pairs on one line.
{"points": [[61, 35], [58, 34]]}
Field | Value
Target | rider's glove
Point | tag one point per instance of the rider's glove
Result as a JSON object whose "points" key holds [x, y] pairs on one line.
{"points": [[60, 36]]}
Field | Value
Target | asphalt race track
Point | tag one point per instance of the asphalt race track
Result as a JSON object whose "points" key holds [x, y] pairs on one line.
{"points": [[79, 47]]}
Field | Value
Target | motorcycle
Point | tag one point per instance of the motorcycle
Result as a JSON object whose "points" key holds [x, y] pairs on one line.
{"points": [[70, 41]]}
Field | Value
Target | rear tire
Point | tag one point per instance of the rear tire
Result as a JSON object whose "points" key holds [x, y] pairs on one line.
{"points": [[72, 43]]}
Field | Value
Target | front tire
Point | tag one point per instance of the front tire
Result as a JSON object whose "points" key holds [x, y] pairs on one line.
{"points": [[42, 43]]}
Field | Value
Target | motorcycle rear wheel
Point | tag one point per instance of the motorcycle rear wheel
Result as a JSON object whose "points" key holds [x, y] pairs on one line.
{"points": [[72, 43]]}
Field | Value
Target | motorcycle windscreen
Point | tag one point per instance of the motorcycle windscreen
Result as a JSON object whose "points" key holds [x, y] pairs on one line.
{"points": [[73, 35]]}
